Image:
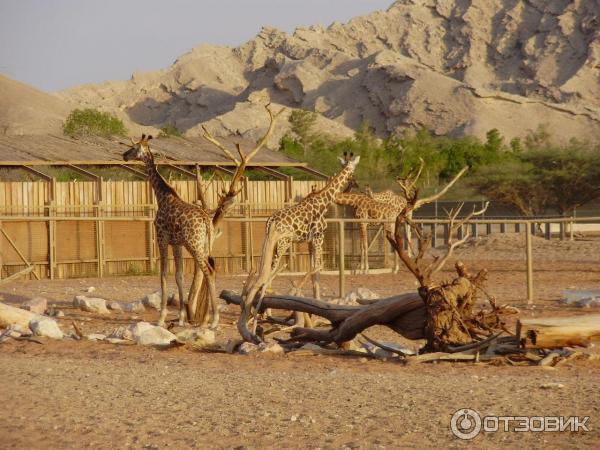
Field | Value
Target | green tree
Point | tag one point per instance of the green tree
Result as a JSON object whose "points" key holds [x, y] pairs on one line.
{"points": [[83, 122]]}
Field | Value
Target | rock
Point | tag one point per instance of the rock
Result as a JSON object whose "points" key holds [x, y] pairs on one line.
{"points": [[46, 327], [187, 335], [90, 304], [312, 347], [156, 336], [59, 313], [152, 300], [200, 337], [366, 294], [90, 289], [115, 306], [552, 386], [36, 305], [247, 347], [95, 337], [581, 299], [134, 331], [204, 338], [118, 341], [133, 307], [271, 347]]}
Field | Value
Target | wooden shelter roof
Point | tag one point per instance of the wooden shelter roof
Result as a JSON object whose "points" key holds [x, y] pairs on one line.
{"points": [[60, 150]]}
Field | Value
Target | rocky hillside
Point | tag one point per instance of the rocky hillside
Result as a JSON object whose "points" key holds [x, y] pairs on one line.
{"points": [[25, 110], [453, 66]]}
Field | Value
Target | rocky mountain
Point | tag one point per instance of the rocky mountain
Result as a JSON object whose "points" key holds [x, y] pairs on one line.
{"points": [[452, 66]]}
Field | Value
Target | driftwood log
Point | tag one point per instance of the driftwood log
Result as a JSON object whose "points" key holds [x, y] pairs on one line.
{"points": [[557, 332]]}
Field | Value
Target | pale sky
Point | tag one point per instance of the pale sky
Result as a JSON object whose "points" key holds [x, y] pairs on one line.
{"points": [[55, 44]]}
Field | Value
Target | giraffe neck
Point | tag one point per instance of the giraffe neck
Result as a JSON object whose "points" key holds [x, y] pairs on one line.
{"points": [[336, 185], [161, 188]]}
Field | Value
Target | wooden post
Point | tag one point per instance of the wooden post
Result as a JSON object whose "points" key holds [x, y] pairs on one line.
{"points": [[517, 227], [474, 230], [488, 228], [446, 233], [433, 235], [341, 257], [529, 264], [51, 240], [502, 227], [460, 233], [547, 231], [99, 240]]}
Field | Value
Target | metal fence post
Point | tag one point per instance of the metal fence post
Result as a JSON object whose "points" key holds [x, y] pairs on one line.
{"points": [[529, 264], [342, 258]]}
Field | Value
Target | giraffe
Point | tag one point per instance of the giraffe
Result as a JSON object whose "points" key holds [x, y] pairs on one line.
{"points": [[301, 222], [179, 224], [366, 207]]}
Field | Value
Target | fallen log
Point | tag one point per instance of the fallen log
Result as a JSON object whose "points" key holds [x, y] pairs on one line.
{"points": [[556, 332], [404, 313], [9, 315]]}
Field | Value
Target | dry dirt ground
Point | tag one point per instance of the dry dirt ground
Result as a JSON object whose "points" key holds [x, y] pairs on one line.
{"points": [[81, 394]]}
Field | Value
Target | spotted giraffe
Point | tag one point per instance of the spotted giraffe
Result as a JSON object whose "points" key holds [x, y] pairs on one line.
{"points": [[179, 224], [367, 207], [301, 222]]}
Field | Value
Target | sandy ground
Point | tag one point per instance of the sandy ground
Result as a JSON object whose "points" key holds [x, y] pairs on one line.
{"points": [[96, 395]]}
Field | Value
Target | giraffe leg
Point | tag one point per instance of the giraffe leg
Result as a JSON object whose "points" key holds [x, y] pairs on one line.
{"points": [[364, 248], [316, 249], [178, 256], [192, 302], [163, 248], [209, 278]]}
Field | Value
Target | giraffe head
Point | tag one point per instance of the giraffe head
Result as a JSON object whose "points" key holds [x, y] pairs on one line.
{"points": [[139, 149], [349, 160]]}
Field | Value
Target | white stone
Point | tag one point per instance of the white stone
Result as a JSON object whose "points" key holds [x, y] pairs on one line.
{"points": [[134, 331], [156, 336], [46, 327], [133, 307], [95, 337], [247, 347], [90, 289], [114, 306], [271, 347], [152, 300], [366, 294], [36, 305], [91, 304]]}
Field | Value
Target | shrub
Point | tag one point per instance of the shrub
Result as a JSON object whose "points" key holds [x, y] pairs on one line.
{"points": [[84, 122], [169, 131]]}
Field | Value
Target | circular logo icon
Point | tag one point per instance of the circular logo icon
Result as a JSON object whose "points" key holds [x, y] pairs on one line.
{"points": [[465, 423]]}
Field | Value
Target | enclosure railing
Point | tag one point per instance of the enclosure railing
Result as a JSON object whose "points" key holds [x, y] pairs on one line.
{"points": [[65, 246]]}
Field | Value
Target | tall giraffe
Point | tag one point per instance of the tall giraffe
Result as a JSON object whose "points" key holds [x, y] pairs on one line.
{"points": [[301, 222], [366, 207], [179, 224]]}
